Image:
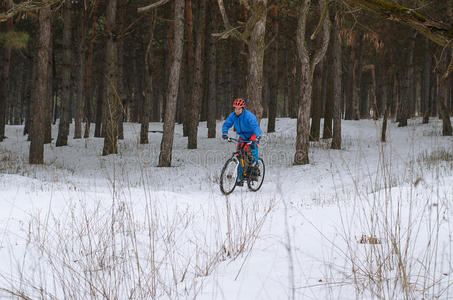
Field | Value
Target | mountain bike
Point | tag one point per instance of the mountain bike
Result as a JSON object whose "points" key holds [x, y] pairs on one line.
{"points": [[230, 171]]}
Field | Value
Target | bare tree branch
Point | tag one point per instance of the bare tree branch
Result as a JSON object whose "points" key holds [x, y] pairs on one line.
{"points": [[152, 6], [325, 37], [438, 32], [226, 34], [449, 69], [257, 12], [230, 31], [302, 50], [324, 13], [25, 6]]}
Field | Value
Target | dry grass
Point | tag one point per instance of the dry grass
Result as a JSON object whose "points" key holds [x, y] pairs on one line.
{"points": [[140, 246]]}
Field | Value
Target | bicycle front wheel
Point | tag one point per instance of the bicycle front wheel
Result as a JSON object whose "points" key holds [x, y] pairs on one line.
{"points": [[255, 182], [229, 176]]}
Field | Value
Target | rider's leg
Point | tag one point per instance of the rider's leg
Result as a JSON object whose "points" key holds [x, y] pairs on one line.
{"points": [[254, 150], [240, 172]]}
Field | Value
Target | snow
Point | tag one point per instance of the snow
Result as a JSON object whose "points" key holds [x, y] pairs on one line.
{"points": [[87, 226]]}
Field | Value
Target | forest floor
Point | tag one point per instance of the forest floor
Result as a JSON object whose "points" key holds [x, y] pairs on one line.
{"points": [[373, 220]]}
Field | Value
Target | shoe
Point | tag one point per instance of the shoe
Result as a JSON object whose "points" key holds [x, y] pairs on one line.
{"points": [[254, 171], [254, 168], [240, 183]]}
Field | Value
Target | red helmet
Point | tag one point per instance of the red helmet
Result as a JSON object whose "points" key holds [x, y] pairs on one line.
{"points": [[238, 103]]}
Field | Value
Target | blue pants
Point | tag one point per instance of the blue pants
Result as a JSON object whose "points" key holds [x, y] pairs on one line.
{"points": [[254, 150]]}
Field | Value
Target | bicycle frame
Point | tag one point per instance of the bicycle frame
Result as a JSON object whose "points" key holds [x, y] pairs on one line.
{"points": [[240, 154], [240, 160]]}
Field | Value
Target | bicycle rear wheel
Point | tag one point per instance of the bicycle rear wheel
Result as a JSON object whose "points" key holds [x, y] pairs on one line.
{"points": [[255, 184], [229, 176]]}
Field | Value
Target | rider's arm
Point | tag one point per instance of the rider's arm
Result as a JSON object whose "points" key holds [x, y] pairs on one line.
{"points": [[228, 123], [254, 125]]}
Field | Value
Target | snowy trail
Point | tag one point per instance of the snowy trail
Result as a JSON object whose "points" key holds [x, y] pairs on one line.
{"points": [[319, 198]]}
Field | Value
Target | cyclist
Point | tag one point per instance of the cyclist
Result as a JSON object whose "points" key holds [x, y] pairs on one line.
{"points": [[247, 128]]}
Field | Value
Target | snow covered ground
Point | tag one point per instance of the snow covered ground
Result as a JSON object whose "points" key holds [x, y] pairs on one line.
{"points": [[371, 221]]}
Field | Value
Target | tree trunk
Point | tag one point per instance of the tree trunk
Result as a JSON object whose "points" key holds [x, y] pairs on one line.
{"points": [[149, 83], [373, 94], [121, 86], [337, 93], [234, 67], [99, 107], [197, 93], [347, 82], [294, 91], [89, 86], [212, 70], [111, 80], [316, 102], [49, 96], [183, 104], [330, 99], [65, 114], [79, 73], [381, 86], [388, 106], [425, 101], [157, 101], [364, 96], [303, 117], [256, 61], [287, 82], [17, 96], [235, 64], [395, 94], [30, 92], [134, 67], [25, 91], [308, 66], [403, 103], [4, 80], [444, 86], [36, 155], [204, 102], [168, 60], [274, 73], [224, 70], [188, 84], [356, 57], [166, 145], [411, 78]]}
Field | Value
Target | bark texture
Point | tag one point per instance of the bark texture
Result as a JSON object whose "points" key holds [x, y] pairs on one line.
{"points": [[166, 145], [36, 155], [307, 68], [65, 114], [111, 79], [197, 93]]}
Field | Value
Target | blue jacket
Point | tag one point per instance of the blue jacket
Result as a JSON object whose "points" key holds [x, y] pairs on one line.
{"points": [[246, 124]]}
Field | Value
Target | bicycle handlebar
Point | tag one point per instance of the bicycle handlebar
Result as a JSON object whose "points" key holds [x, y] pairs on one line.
{"points": [[236, 140]]}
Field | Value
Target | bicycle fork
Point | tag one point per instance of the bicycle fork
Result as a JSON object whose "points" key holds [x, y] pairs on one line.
{"points": [[241, 161]]}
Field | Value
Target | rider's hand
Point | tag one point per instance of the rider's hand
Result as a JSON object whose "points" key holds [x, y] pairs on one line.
{"points": [[225, 136], [255, 140]]}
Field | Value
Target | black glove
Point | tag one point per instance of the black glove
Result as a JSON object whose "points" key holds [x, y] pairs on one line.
{"points": [[225, 136]]}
